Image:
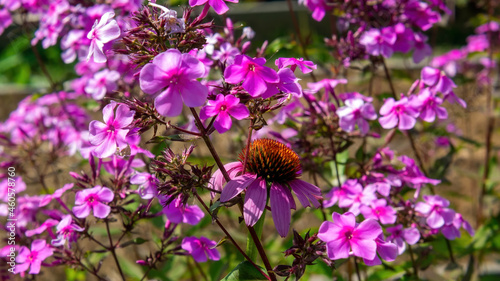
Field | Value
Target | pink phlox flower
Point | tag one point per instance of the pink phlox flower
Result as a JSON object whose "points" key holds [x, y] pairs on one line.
{"points": [[317, 7], [422, 49], [399, 236], [101, 83], [477, 43], [412, 175], [366, 197], [252, 72], [177, 212], [379, 210], [102, 32], [354, 95], [148, 184], [93, 199], [386, 250], [405, 38], [344, 237], [286, 112], [449, 61], [202, 56], [248, 33], [344, 194], [46, 199], [452, 230], [224, 107], [219, 6], [436, 80], [356, 112], [327, 84], [133, 139], [489, 26], [20, 186], [66, 230], [304, 66], [44, 226], [435, 211], [172, 23], [429, 105], [226, 53], [174, 75], [382, 187], [5, 20], [107, 137], [288, 83], [201, 249], [420, 14], [399, 113], [379, 41], [33, 258], [122, 167], [48, 32]]}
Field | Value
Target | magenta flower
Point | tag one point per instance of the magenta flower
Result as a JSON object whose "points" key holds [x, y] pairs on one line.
{"points": [[93, 198], [177, 212], [288, 83], [399, 236], [344, 237], [102, 32], [318, 8], [420, 14], [177, 73], [33, 258], [327, 84], [344, 194], [108, 136], [103, 82], [252, 72], [436, 211], [422, 49], [437, 80], [219, 6], [280, 172], [304, 66], [66, 231], [226, 53], [224, 107], [379, 210], [356, 112], [148, 184], [201, 248], [5, 20], [386, 250], [430, 107], [452, 230], [71, 44], [398, 112], [379, 42]]}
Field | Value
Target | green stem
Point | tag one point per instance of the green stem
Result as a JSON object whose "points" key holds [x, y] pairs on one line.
{"points": [[113, 252]]}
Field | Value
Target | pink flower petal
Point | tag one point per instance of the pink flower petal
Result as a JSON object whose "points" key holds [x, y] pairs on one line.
{"points": [[255, 201], [280, 207]]}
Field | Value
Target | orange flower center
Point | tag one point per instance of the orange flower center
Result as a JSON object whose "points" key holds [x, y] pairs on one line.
{"points": [[272, 160]]}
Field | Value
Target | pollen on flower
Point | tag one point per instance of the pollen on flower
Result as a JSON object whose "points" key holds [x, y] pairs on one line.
{"points": [[272, 161]]}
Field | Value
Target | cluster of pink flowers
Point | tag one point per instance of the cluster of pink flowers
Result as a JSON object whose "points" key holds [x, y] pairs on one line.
{"points": [[143, 66]]}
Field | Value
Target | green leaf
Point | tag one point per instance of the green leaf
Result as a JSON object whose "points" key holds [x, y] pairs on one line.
{"points": [[176, 137], [243, 272], [258, 227], [136, 241], [74, 275]]}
